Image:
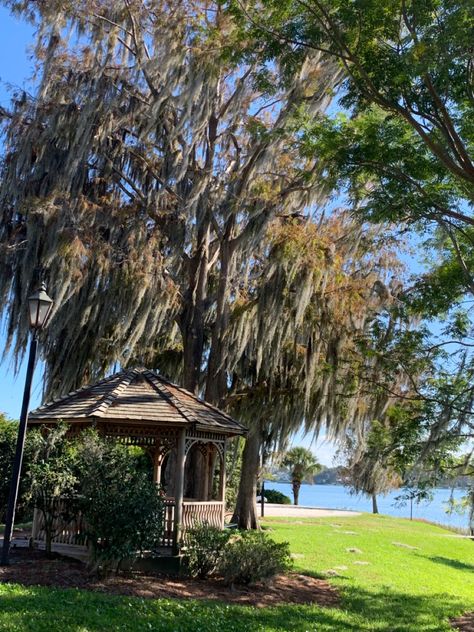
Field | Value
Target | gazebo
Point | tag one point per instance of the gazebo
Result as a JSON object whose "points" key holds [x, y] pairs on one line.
{"points": [[185, 436]]}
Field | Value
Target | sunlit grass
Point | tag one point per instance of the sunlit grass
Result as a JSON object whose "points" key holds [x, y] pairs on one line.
{"points": [[414, 577]]}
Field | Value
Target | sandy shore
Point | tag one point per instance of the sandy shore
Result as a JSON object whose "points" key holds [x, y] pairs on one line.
{"points": [[305, 512]]}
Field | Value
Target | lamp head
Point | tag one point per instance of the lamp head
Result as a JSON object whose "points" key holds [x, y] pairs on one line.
{"points": [[40, 305]]}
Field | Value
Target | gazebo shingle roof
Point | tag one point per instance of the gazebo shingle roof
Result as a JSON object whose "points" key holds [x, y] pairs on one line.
{"points": [[137, 394]]}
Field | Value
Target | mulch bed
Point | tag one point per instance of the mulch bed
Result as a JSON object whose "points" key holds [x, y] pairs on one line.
{"points": [[32, 568], [464, 623]]}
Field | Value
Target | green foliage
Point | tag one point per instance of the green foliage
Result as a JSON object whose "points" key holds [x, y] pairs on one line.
{"points": [[8, 434], [301, 463], [8, 438], [274, 496], [402, 148], [122, 507], [233, 467], [205, 545], [302, 466], [410, 61], [414, 494], [253, 556], [368, 467], [53, 483]]}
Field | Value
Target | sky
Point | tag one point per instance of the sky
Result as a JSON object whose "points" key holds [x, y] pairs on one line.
{"points": [[16, 68]]}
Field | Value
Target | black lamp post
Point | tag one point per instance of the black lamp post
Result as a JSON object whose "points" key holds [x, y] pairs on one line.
{"points": [[39, 310]]}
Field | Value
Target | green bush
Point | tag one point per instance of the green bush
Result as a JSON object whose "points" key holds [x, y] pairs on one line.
{"points": [[274, 496], [252, 556], [53, 483], [8, 437], [122, 507], [204, 548]]}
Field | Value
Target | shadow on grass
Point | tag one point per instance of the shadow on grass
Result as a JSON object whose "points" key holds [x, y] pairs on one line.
{"points": [[392, 611], [460, 566], [36, 609]]}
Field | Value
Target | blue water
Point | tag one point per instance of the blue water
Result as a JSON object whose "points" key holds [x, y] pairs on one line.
{"points": [[338, 497]]}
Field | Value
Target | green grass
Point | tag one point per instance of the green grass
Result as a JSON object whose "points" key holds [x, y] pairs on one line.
{"points": [[20, 525], [400, 590]]}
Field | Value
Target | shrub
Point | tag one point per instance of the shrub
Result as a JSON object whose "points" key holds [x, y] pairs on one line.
{"points": [[8, 438], [53, 483], [205, 545], [274, 496], [122, 507], [253, 556]]}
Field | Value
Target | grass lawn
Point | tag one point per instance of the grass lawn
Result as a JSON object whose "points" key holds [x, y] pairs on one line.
{"points": [[412, 586], [20, 525]]}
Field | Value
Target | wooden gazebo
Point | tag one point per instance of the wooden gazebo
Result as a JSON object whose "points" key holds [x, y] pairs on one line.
{"points": [[185, 436]]}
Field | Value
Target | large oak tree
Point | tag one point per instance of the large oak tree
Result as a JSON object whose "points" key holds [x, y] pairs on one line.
{"points": [[156, 180]]}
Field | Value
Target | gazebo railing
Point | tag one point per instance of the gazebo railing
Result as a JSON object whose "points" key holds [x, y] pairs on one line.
{"points": [[208, 511], [71, 534], [66, 529], [167, 538]]}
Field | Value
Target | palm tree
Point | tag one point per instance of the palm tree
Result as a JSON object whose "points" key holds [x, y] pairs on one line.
{"points": [[302, 466]]}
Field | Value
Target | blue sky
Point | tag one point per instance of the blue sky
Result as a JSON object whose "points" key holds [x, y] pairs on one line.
{"points": [[16, 68]]}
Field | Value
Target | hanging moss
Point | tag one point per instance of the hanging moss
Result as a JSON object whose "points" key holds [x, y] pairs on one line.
{"points": [[162, 196]]}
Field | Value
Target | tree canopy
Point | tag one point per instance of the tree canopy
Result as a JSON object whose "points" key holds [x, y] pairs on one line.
{"points": [[400, 140], [157, 180]]}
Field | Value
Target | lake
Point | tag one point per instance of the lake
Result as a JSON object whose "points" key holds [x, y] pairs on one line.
{"points": [[338, 497]]}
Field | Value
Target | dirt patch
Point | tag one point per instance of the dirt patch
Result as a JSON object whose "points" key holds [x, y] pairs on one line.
{"points": [[406, 546], [31, 568], [464, 623]]}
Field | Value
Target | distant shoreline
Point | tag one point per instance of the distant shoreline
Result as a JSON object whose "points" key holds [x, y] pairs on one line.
{"points": [[282, 482]]}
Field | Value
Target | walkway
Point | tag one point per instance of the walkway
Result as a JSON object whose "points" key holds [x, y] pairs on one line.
{"points": [[293, 511]]}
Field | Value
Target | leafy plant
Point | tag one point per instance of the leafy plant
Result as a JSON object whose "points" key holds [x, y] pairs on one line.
{"points": [[204, 548], [233, 468], [8, 437], [122, 507], [302, 466], [53, 483], [421, 492], [274, 496], [252, 556]]}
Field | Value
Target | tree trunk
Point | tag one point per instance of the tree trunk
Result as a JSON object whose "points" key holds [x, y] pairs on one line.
{"points": [[192, 317], [216, 384], [245, 514], [296, 491], [375, 508]]}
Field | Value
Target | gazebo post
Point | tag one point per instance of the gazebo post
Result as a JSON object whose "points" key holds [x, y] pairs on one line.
{"points": [[212, 457], [205, 478], [179, 489], [157, 459], [223, 484]]}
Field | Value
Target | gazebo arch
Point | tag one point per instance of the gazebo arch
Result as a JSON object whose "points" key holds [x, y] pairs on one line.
{"points": [[139, 407]]}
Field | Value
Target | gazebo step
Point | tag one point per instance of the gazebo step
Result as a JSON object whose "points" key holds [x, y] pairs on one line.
{"points": [[162, 562], [68, 550], [167, 564]]}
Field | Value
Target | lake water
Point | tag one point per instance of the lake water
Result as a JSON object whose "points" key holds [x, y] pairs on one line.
{"points": [[338, 497]]}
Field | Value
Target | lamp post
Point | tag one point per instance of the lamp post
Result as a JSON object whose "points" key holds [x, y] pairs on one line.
{"points": [[39, 305]]}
